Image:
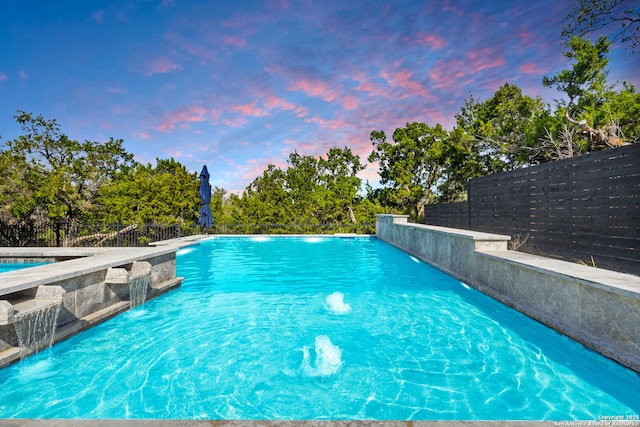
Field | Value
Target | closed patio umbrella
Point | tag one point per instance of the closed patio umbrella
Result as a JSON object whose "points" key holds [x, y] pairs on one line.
{"points": [[205, 220]]}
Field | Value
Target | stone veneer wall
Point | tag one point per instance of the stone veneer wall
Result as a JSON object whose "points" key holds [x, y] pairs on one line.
{"points": [[80, 283], [596, 307]]}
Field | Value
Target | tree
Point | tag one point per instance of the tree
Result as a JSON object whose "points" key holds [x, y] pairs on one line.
{"points": [[48, 174], [144, 194], [266, 200], [304, 189], [338, 175], [593, 108], [410, 166], [591, 16], [499, 129]]}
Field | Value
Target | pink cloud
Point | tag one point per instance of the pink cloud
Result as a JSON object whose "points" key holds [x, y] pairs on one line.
{"points": [[274, 103], [434, 41], [177, 153], [161, 65], [3, 77], [445, 74], [533, 68], [23, 75], [182, 116], [402, 79], [278, 104], [484, 59], [144, 135], [314, 88], [350, 102], [527, 38], [250, 109], [234, 41], [329, 124]]}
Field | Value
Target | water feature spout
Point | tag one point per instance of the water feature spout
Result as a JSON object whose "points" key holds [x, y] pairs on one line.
{"points": [[137, 280], [35, 320]]}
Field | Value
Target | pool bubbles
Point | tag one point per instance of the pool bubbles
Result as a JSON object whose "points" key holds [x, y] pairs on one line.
{"points": [[184, 251], [328, 358], [335, 303]]}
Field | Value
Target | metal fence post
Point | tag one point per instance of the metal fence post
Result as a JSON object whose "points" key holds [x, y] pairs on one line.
{"points": [[469, 204], [58, 233], [118, 233]]}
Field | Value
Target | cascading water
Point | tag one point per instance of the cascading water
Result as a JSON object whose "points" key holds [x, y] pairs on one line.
{"points": [[328, 358], [36, 329], [138, 290], [335, 303]]}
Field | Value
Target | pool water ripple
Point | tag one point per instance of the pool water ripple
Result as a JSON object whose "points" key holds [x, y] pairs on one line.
{"points": [[340, 329]]}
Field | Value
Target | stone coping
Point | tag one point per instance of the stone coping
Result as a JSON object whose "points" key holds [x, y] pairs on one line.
{"points": [[473, 235], [84, 261], [459, 232], [612, 281]]}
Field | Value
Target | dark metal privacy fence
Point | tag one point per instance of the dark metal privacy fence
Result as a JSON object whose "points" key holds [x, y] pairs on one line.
{"points": [[584, 209], [29, 234]]}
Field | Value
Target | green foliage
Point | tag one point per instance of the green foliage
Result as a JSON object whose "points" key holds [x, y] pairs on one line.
{"points": [[586, 82], [411, 165], [590, 16], [164, 194], [593, 105], [310, 191], [498, 130], [46, 173]]}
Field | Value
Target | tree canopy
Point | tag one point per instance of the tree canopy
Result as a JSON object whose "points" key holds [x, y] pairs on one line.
{"points": [[44, 172], [622, 17]]}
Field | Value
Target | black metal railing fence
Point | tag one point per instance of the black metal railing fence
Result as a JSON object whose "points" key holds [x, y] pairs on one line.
{"points": [[58, 234]]}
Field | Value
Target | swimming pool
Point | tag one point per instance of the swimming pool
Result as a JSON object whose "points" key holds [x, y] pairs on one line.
{"points": [[5, 267], [317, 328]]}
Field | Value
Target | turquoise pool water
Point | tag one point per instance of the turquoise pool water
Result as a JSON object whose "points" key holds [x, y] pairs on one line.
{"points": [[317, 328], [18, 266]]}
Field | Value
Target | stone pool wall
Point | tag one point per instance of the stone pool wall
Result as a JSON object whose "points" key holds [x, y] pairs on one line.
{"points": [[599, 308], [89, 285]]}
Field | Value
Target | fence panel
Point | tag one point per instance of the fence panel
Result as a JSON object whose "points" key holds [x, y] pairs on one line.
{"points": [[584, 209], [455, 215]]}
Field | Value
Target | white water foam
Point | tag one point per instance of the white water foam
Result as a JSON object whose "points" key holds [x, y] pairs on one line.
{"points": [[260, 239], [39, 370], [328, 358], [313, 239], [335, 303]]}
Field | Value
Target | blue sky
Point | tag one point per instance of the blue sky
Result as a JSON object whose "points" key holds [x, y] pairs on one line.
{"points": [[237, 85]]}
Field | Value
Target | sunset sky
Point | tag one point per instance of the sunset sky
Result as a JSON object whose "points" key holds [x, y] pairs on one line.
{"points": [[239, 84]]}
